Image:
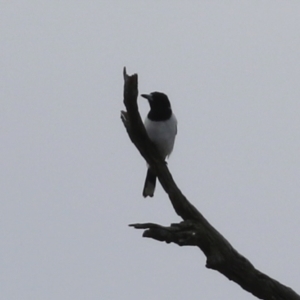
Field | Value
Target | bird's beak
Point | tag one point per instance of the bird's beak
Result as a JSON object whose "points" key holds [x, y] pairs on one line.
{"points": [[148, 97]]}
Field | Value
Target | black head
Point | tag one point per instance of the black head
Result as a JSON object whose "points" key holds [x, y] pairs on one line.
{"points": [[160, 107]]}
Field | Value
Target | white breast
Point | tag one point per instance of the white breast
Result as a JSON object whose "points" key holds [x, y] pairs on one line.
{"points": [[162, 134]]}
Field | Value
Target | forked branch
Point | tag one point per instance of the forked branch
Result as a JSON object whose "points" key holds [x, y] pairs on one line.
{"points": [[195, 229]]}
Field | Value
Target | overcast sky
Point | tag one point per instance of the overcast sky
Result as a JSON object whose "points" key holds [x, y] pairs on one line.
{"points": [[71, 181]]}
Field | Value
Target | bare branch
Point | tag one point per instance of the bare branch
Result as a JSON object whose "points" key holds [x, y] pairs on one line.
{"points": [[195, 229]]}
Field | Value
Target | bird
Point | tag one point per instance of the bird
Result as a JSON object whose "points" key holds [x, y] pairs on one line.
{"points": [[161, 127]]}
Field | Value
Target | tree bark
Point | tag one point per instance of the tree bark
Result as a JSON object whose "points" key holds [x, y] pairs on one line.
{"points": [[195, 230]]}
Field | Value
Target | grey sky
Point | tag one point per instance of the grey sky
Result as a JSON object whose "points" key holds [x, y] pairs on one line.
{"points": [[71, 181]]}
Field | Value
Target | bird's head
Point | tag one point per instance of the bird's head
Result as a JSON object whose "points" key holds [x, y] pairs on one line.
{"points": [[158, 101]]}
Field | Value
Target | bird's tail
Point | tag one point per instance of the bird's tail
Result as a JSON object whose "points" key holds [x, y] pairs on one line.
{"points": [[150, 182]]}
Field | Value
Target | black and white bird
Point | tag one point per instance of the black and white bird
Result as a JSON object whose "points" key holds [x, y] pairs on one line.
{"points": [[161, 126]]}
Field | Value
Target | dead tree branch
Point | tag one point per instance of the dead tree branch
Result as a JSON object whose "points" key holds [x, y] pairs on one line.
{"points": [[195, 230]]}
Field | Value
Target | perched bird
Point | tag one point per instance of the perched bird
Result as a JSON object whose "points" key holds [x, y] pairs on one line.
{"points": [[161, 126]]}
